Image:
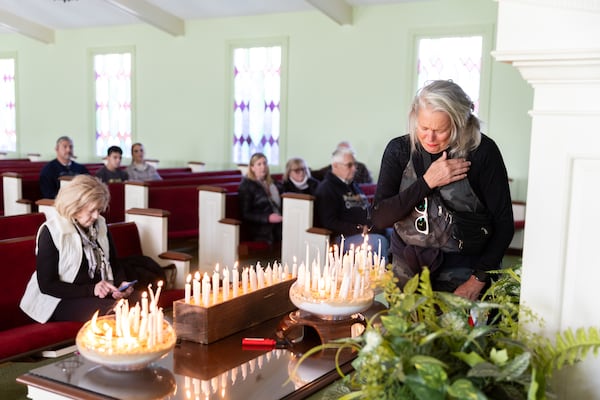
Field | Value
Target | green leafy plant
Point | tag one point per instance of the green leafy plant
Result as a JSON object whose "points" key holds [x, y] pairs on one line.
{"points": [[432, 345]]}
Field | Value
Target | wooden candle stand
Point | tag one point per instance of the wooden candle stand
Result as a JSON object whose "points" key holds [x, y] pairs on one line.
{"points": [[292, 326], [205, 325]]}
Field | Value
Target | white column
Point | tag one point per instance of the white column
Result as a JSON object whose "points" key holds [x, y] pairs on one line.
{"points": [[555, 45]]}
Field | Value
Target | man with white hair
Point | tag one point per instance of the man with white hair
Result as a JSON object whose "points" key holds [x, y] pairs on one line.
{"points": [[343, 208], [362, 174]]}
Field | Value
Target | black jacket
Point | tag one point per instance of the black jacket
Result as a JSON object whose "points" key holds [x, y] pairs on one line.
{"points": [[255, 208], [342, 208]]}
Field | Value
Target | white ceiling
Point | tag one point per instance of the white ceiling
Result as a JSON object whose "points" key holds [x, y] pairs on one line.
{"points": [[40, 18]]}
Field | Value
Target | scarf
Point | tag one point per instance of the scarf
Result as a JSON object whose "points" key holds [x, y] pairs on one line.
{"points": [[97, 261], [301, 185]]}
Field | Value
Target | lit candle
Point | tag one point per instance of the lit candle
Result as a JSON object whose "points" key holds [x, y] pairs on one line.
{"points": [[300, 280], [269, 276], [157, 295], [236, 278], [252, 276], [144, 304], [226, 284], [197, 290], [245, 280], [215, 285], [205, 289], [260, 277], [188, 289]]}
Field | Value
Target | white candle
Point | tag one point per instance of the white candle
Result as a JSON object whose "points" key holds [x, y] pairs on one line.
{"points": [[197, 291], [245, 280], [253, 282], [357, 280], [188, 289], [260, 277], [300, 280], [342, 247], [205, 290], [294, 268], [269, 276], [345, 287], [144, 304], [226, 284], [236, 282], [215, 285], [157, 295], [159, 326]]}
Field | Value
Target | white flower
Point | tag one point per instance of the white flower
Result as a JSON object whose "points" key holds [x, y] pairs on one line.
{"points": [[372, 341]]}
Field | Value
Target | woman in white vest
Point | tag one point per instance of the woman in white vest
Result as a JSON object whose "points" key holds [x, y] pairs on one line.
{"points": [[75, 269]]}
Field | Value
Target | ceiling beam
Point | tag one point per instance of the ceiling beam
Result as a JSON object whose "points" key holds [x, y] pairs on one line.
{"points": [[26, 27], [151, 14], [337, 10]]}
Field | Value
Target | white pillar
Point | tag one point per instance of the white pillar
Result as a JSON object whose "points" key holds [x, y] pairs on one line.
{"points": [[556, 47]]}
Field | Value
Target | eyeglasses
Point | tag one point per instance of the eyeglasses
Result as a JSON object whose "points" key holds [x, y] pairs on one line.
{"points": [[296, 170], [422, 223], [348, 165]]}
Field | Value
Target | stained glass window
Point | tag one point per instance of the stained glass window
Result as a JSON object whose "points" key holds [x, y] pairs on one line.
{"points": [[113, 101], [8, 119], [256, 102], [456, 58]]}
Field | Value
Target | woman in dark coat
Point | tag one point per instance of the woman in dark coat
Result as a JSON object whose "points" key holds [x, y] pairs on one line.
{"points": [[260, 202]]}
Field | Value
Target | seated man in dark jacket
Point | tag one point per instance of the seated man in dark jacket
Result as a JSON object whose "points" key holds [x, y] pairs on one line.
{"points": [[62, 165], [343, 208]]}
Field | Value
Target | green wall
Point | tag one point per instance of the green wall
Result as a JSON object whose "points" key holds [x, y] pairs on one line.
{"points": [[344, 82]]}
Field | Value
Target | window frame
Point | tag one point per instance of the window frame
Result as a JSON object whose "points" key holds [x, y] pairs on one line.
{"points": [[283, 42], [13, 55], [92, 52], [487, 34]]}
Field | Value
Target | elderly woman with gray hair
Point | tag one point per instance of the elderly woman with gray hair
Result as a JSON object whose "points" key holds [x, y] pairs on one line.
{"points": [[444, 167], [76, 273]]}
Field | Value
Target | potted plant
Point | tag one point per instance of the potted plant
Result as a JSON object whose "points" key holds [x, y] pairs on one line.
{"points": [[434, 345]]}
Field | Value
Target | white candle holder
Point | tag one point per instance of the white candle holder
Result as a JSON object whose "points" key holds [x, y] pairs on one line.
{"points": [[330, 308], [121, 353]]}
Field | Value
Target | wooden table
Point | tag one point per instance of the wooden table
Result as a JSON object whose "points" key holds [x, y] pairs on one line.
{"points": [[221, 370]]}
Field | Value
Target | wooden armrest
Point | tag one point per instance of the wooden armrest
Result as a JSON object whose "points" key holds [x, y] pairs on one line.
{"points": [[45, 202], [175, 255], [319, 231], [208, 188], [230, 221], [24, 201], [299, 196], [151, 212]]}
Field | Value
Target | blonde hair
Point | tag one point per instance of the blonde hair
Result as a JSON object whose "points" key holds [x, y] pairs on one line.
{"points": [[79, 193], [294, 163], [449, 98], [255, 157]]}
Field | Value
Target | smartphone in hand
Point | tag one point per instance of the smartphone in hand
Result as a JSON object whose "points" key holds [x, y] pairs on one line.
{"points": [[130, 284]]}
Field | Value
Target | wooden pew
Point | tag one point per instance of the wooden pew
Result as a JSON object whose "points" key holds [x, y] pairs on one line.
{"points": [[15, 226], [516, 245], [298, 231], [220, 225]]}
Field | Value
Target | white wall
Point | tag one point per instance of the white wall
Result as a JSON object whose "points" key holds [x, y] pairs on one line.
{"points": [[345, 82]]}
